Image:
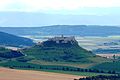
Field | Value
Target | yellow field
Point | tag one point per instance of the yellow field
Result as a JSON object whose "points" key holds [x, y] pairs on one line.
{"points": [[12, 74]]}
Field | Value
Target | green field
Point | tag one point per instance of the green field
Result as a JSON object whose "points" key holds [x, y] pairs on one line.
{"points": [[49, 68], [108, 66], [77, 73]]}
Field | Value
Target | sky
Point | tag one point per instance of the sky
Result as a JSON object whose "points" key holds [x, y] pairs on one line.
{"points": [[55, 12], [89, 7]]}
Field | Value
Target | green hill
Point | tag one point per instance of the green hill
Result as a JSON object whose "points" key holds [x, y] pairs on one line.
{"points": [[108, 66], [67, 54], [62, 51], [12, 40]]}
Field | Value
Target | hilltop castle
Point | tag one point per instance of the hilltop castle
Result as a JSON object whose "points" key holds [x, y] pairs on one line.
{"points": [[60, 41], [63, 40]]}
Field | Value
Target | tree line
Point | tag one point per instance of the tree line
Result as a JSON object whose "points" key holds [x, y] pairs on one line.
{"points": [[63, 68], [101, 77]]}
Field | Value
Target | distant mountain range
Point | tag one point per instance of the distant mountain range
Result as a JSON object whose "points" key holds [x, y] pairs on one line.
{"points": [[22, 19], [80, 30], [12, 40]]}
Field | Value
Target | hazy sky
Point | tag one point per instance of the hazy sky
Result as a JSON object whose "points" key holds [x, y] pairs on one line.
{"points": [[55, 12], [94, 7]]}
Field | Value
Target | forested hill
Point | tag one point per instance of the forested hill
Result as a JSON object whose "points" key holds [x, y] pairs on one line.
{"points": [[12, 40]]}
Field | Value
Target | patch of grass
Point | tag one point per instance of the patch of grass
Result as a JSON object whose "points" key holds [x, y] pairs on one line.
{"points": [[24, 65], [108, 66], [72, 64], [76, 73]]}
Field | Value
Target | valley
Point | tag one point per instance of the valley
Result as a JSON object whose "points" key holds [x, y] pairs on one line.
{"points": [[60, 40], [67, 53]]}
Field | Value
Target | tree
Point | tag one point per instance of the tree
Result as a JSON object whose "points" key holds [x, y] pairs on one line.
{"points": [[114, 57]]}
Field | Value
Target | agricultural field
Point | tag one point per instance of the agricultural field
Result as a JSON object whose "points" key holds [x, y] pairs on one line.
{"points": [[12, 74], [53, 68]]}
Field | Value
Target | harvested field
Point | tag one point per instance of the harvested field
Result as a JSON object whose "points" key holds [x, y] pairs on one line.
{"points": [[12, 74]]}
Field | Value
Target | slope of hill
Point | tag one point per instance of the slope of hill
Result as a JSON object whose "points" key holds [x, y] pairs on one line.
{"points": [[12, 40], [108, 66]]}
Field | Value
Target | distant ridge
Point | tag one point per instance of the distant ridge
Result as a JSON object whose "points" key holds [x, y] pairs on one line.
{"points": [[80, 30]]}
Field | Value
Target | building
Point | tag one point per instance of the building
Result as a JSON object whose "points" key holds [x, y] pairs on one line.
{"points": [[63, 39]]}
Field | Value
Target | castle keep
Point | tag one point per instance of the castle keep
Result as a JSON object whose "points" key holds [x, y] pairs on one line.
{"points": [[63, 39]]}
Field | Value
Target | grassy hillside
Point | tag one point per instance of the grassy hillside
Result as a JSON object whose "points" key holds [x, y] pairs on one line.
{"points": [[69, 54], [62, 54], [108, 66], [12, 40]]}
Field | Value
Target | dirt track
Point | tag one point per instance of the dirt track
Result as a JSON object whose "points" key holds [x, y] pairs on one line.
{"points": [[12, 74]]}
